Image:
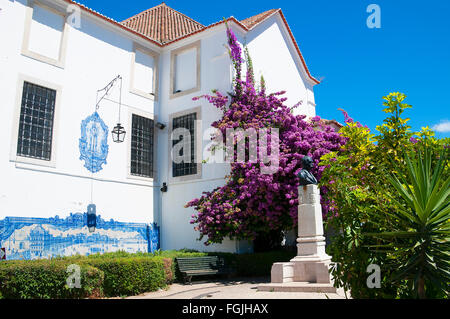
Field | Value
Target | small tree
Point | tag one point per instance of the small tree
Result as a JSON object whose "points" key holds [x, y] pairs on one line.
{"points": [[360, 196]]}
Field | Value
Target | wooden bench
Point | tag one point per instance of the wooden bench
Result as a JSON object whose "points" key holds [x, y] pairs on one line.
{"points": [[201, 266]]}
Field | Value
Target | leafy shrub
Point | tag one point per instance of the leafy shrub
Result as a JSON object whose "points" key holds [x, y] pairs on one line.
{"points": [[181, 253], [110, 274], [127, 276], [46, 279], [172, 254], [118, 273], [362, 199], [114, 255], [244, 265], [420, 249], [171, 271], [260, 264], [251, 265]]}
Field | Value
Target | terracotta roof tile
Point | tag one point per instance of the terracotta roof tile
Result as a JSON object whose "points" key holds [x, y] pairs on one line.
{"points": [[252, 21], [162, 24], [332, 122]]}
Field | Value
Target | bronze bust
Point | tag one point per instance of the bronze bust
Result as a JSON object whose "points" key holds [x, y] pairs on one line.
{"points": [[305, 176]]}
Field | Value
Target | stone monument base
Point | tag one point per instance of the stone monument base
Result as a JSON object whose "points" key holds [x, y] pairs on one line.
{"points": [[300, 275], [308, 271], [298, 287]]}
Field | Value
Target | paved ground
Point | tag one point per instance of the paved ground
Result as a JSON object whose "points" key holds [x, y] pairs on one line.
{"points": [[243, 288]]}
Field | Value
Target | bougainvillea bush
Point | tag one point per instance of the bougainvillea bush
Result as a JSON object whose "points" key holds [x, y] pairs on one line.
{"points": [[253, 204]]}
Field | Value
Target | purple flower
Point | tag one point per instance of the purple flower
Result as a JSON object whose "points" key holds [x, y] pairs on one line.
{"points": [[235, 48], [251, 200]]}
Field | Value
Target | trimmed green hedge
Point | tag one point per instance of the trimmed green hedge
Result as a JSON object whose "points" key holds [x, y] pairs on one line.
{"points": [[170, 268], [172, 254], [245, 265], [116, 274], [259, 264], [100, 277], [44, 279], [254, 264], [127, 276]]}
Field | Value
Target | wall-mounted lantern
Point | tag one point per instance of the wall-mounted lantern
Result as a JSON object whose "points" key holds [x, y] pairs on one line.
{"points": [[118, 133], [91, 217], [164, 188]]}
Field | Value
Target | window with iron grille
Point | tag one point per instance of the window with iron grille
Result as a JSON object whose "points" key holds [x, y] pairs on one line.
{"points": [[187, 122], [36, 122], [142, 132]]}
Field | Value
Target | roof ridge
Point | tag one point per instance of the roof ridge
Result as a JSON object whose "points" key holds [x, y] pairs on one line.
{"points": [[294, 41], [189, 18], [142, 12], [260, 17], [163, 23], [163, 4], [158, 43], [75, 2]]}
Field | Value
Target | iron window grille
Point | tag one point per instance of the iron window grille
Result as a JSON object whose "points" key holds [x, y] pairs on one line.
{"points": [[36, 122], [187, 122], [142, 133]]}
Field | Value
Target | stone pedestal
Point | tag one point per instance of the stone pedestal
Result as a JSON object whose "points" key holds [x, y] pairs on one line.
{"points": [[308, 271]]}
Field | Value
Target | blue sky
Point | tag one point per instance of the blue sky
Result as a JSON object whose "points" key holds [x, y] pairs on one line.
{"points": [[410, 53]]}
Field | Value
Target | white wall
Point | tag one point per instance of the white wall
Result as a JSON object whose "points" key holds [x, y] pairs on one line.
{"points": [[186, 70], [95, 55], [278, 62], [215, 70], [46, 32], [143, 71], [271, 57]]}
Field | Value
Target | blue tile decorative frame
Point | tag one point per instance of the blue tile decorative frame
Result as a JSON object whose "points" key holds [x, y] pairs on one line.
{"points": [[93, 142], [34, 238]]}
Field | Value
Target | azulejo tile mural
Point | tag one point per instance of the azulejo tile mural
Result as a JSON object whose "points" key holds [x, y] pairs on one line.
{"points": [[93, 143], [34, 238]]}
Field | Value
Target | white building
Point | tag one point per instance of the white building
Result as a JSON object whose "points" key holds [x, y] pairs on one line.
{"points": [[56, 54]]}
